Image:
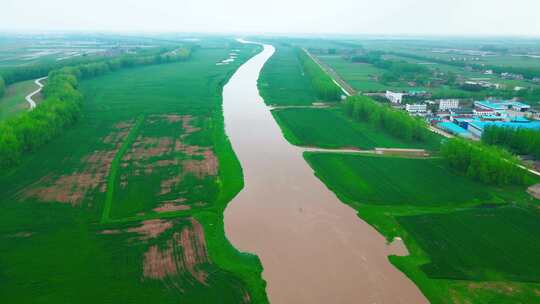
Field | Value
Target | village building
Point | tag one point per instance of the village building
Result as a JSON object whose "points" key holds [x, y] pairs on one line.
{"points": [[419, 109], [447, 104], [394, 97]]}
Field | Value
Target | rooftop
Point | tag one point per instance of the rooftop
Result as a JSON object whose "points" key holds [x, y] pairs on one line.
{"points": [[533, 125], [501, 104], [453, 128]]}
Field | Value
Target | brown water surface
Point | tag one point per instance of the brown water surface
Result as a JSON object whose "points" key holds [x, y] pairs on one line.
{"points": [[314, 248]]}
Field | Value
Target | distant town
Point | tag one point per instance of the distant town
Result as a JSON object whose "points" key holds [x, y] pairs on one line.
{"points": [[460, 117]]}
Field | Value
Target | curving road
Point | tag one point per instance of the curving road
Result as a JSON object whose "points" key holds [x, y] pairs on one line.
{"points": [[29, 96]]}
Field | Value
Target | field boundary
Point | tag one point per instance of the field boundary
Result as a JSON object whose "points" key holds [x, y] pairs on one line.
{"points": [[111, 179]]}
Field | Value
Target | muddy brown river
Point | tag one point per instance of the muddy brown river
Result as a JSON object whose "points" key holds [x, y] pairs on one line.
{"points": [[314, 248]]}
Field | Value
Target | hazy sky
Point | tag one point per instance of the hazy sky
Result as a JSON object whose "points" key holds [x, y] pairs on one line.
{"points": [[494, 17]]}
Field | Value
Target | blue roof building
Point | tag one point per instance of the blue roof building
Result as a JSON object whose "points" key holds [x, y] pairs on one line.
{"points": [[477, 127], [502, 105], [452, 128]]}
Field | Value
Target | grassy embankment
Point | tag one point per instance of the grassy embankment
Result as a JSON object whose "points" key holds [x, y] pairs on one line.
{"points": [[283, 82], [55, 226]]}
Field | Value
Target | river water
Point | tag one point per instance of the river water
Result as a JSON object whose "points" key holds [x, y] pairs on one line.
{"points": [[314, 248]]}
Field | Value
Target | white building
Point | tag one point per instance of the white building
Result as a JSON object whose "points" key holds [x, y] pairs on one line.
{"points": [[447, 104], [416, 109], [394, 97]]}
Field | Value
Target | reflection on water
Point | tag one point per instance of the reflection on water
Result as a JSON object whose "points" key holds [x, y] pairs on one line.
{"points": [[314, 249]]}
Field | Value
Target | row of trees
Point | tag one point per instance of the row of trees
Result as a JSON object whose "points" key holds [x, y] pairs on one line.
{"points": [[99, 68], [397, 123], [39, 70], [521, 141], [32, 129], [487, 164], [62, 105], [325, 88]]}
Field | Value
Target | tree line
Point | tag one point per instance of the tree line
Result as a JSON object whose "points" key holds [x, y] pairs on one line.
{"points": [[325, 88], [487, 164], [62, 103], [520, 141], [398, 123], [17, 74]]}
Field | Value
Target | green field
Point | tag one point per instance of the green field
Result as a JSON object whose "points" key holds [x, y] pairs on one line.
{"points": [[395, 181], [319, 127], [76, 217], [14, 101], [490, 244], [282, 81]]}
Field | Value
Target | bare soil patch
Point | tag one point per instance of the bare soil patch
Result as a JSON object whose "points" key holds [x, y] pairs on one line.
{"points": [[159, 263], [168, 184], [145, 149], [110, 231], [73, 188], [152, 228], [208, 166], [172, 205], [183, 253], [169, 207]]}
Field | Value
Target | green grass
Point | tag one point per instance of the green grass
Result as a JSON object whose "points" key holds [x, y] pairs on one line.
{"points": [[394, 181], [67, 257], [282, 81], [330, 128], [14, 101], [490, 244]]}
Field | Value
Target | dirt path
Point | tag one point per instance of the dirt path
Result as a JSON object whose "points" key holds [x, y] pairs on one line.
{"points": [[314, 249], [29, 96]]}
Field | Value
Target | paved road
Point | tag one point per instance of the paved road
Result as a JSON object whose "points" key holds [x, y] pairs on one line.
{"points": [[29, 97]]}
